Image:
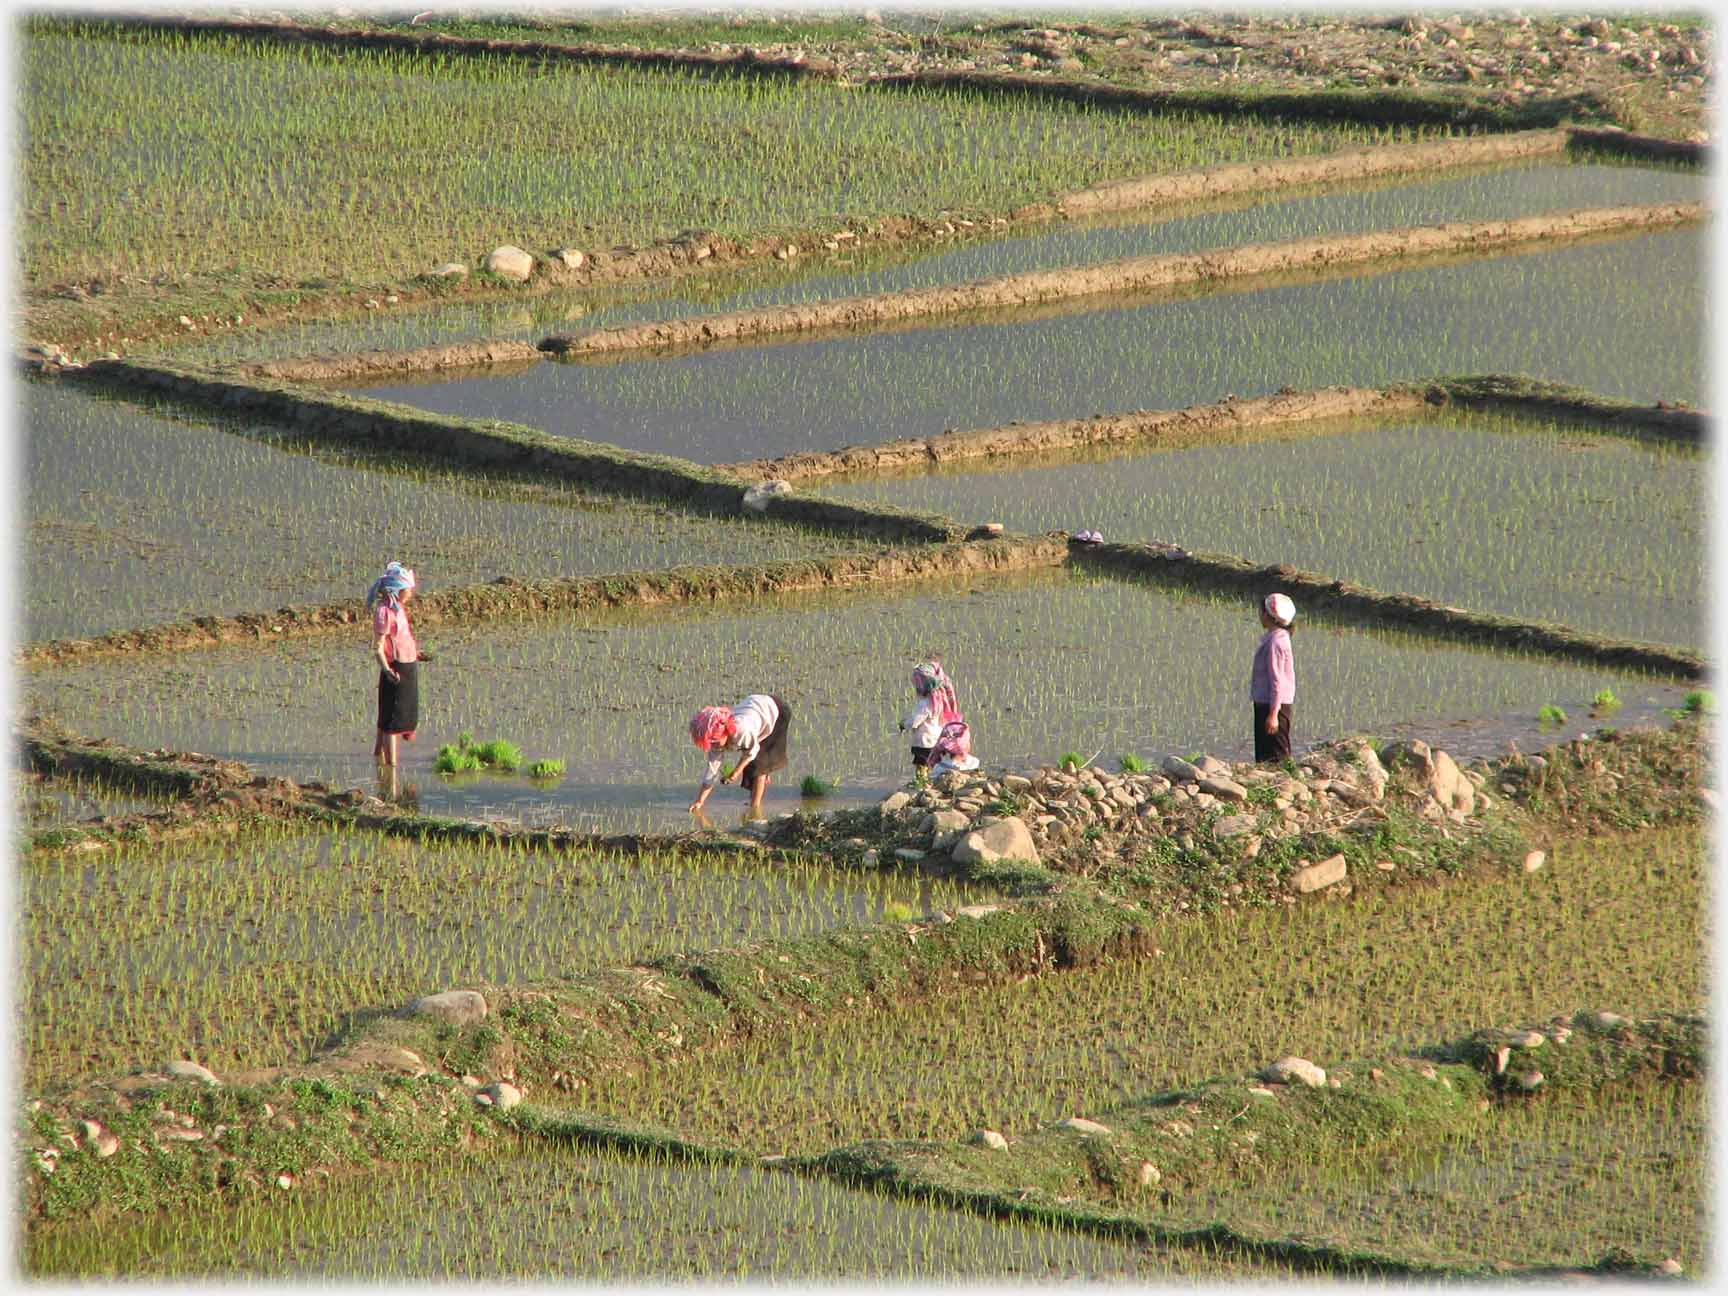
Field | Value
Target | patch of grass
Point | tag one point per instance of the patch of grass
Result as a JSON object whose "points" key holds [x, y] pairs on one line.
{"points": [[1132, 764], [813, 786], [1069, 762], [1700, 701], [1604, 702], [546, 769], [499, 754], [1550, 716]]}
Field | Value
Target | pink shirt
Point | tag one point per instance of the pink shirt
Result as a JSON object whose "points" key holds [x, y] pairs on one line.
{"points": [[392, 623], [1273, 681]]}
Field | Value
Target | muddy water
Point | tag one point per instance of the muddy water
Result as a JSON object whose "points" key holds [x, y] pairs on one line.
{"points": [[551, 1212], [1550, 185], [134, 519], [1625, 317], [59, 803], [132, 954], [1046, 663], [1546, 524]]}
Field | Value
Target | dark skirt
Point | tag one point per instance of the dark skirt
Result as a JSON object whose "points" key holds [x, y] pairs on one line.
{"points": [[399, 700], [1271, 746], [772, 757], [921, 757]]}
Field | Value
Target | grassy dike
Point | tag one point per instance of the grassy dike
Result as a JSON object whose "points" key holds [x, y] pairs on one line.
{"points": [[400, 1087]]}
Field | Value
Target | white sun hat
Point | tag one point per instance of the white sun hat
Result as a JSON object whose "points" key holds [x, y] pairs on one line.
{"points": [[1280, 608]]}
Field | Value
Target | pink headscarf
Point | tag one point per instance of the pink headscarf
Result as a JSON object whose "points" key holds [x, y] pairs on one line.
{"points": [[956, 740], [712, 726]]}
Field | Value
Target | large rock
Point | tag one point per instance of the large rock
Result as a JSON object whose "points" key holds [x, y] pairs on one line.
{"points": [[458, 1007], [1323, 874], [895, 802], [757, 497], [1180, 770], [1300, 1070], [181, 1069], [989, 1138], [1006, 839], [1224, 788], [1213, 766], [1234, 826], [509, 262], [501, 1095], [1434, 771]]}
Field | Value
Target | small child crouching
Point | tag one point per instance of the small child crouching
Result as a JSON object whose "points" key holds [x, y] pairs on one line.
{"points": [[953, 751]]}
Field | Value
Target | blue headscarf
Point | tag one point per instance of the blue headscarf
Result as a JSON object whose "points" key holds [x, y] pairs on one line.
{"points": [[395, 579]]}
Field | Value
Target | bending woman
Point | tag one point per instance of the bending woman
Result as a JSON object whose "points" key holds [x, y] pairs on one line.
{"points": [[398, 658], [756, 730]]}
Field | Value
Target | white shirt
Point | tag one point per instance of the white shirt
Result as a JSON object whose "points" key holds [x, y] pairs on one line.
{"points": [[756, 717], [924, 722]]}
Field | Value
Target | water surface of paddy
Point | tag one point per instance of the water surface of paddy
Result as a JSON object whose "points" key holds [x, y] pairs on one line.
{"points": [[554, 1213], [252, 952], [1549, 185], [1543, 523], [1045, 663], [61, 802], [1625, 317], [133, 518]]}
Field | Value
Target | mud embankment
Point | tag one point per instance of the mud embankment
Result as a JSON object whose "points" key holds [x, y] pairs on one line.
{"points": [[497, 358], [1504, 394], [1133, 274], [744, 62], [1173, 566], [1142, 426], [507, 597], [497, 447]]}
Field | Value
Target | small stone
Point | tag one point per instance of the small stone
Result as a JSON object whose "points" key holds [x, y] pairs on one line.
{"points": [[1225, 789], [1670, 1268], [1286, 1069], [1233, 826], [1148, 1174], [1080, 1125], [1534, 861], [1530, 1081], [895, 803], [871, 858], [1180, 770], [1385, 865], [457, 1007], [570, 258], [977, 911], [284, 1180], [509, 262], [1607, 1020], [1261, 1091], [450, 270], [989, 1138], [1502, 1056], [910, 854]]}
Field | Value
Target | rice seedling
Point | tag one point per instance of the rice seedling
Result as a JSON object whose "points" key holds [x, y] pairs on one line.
{"points": [[1617, 922], [548, 1212], [253, 952], [546, 769], [1129, 763], [44, 802], [814, 786], [1070, 761], [1700, 700], [1604, 703], [132, 518], [394, 153], [1624, 317], [630, 767], [1550, 716], [1544, 522]]}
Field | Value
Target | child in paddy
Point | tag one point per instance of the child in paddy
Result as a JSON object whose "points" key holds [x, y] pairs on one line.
{"points": [[936, 706], [1272, 681], [755, 729]]}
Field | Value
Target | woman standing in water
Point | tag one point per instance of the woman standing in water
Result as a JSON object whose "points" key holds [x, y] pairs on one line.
{"points": [[398, 660]]}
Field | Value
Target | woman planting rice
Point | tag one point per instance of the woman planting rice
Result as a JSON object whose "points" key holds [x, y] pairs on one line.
{"points": [[398, 660], [756, 730]]}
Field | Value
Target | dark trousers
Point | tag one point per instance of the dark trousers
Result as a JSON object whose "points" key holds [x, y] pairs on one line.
{"points": [[1271, 746]]}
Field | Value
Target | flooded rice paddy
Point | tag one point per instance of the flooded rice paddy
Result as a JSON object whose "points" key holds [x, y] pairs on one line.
{"points": [[135, 518], [1625, 317], [552, 1213], [1543, 523], [1046, 663], [1617, 923], [1505, 192], [251, 952], [63, 802]]}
